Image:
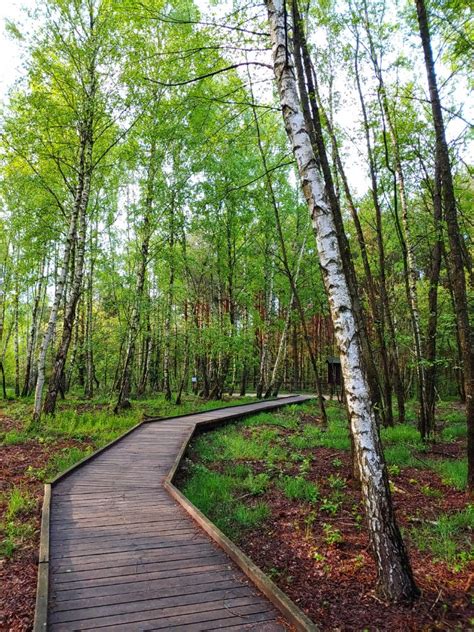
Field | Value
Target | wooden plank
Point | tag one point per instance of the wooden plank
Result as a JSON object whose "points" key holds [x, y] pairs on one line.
{"points": [[143, 603], [170, 618], [173, 574], [144, 567], [110, 559], [103, 547], [124, 531], [117, 592]]}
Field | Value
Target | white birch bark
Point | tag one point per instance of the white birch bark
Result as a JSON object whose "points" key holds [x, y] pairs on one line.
{"points": [[394, 573], [53, 316]]}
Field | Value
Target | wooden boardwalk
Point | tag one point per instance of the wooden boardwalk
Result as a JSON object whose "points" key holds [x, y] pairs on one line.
{"points": [[124, 555]]}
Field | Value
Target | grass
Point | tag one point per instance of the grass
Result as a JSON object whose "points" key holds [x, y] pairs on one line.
{"points": [[65, 459], [228, 444], [401, 456], [454, 431], [16, 528], [449, 538], [452, 472], [218, 497], [298, 488]]}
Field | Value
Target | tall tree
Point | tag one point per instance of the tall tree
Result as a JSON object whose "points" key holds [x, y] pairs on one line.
{"points": [[457, 260], [394, 572]]}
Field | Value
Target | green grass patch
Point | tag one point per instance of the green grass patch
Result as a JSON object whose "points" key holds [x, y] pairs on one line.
{"points": [[298, 488], [449, 538], [15, 528], [229, 444], [401, 433], [401, 456], [452, 472], [454, 431], [218, 497], [65, 459], [14, 437], [280, 420]]}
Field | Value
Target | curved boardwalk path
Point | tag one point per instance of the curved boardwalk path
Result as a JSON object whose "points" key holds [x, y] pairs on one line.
{"points": [[125, 556]]}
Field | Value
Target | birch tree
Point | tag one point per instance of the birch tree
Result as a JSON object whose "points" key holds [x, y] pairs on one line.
{"points": [[394, 573]]}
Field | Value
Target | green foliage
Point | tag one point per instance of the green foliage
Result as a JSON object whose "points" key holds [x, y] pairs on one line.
{"points": [[16, 528], [65, 459], [400, 455], [14, 437], [332, 535], [452, 472], [18, 501], [298, 488], [216, 495], [448, 538], [332, 504]]}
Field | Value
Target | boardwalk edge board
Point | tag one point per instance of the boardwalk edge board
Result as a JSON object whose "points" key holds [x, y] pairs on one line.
{"points": [[267, 587], [42, 591]]}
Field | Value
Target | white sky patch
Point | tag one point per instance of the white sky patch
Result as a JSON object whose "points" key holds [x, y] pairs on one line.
{"points": [[10, 49]]}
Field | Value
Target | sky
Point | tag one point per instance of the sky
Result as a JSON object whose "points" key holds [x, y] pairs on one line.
{"points": [[10, 52]]}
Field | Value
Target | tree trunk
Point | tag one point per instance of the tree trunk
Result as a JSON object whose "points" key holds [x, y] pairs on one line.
{"points": [[17, 340], [384, 315], [57, 377], [35, 323], [79, 243], [411, 277], [126, 375], [394, 573], [434, 273], [456, 246], [307, 82], [53, 316]]}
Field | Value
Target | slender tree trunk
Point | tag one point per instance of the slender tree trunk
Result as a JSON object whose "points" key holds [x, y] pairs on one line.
{"points": [[167, 335], [456, 246], [81, 203], [384, 315], [411, 281], [378, 314], [57, 378], [431, 332], [291, 279], [185, 370], [275, 381], [35, 323], [89, 385], [17, 339], [125, 383], [147, 352], [307, 81], [53, 316], [395, 577]]}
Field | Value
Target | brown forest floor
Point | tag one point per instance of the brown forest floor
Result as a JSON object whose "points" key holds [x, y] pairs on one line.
{"points": [[334, 583], [337, 589], [18, 573]]}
